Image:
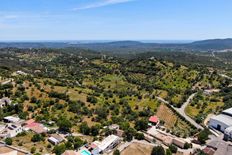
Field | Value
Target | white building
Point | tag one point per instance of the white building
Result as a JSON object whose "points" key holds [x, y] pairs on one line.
{"points": [[228, 133], [55, 139], [222, 121], [109, 143], [11, 119], [11, 130]]}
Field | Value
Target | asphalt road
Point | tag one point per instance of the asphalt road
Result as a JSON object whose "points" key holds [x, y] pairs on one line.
{"points": [[181, 110]]}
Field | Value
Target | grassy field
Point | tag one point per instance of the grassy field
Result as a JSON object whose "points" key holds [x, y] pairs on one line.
{"points": [[27, 144], [202, 105]]}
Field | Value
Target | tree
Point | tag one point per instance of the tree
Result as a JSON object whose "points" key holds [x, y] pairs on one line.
{"points": [[59, 149], [139, 136], [203, 136], [8, 141], [173, 148], [116, 152], [84, 128], [94, 130], [158, 150], [37, 138], [33, 149], [64, 125], [187, 145], [141, 124], [128, 134], [168, 152]]}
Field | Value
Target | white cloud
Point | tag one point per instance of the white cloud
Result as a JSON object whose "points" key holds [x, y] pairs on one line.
{"points": [[10, 16], [101, 4]]}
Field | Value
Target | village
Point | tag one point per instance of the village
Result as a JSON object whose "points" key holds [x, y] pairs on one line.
{"points": [[44, 136], [217, 144]]}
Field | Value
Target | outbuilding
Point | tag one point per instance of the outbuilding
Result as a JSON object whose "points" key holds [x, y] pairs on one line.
{"points": [[222, 121]]}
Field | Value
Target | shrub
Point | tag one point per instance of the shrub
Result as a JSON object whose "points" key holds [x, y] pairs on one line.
{"points": [[8, 141]]}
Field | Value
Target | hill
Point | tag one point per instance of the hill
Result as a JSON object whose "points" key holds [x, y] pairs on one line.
{"points": [[128, 46]]}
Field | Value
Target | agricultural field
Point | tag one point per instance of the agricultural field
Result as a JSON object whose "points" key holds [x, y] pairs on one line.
{"points": [[172, 122]]}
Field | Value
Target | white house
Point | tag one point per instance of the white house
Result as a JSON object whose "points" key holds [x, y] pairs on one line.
{"points": [[11, 130], [108, 143]]}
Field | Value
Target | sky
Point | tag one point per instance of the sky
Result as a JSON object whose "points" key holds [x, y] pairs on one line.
{"points": [[115, 19]]}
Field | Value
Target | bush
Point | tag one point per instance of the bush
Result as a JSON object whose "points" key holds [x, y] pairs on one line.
{"points": [[59, 149], [8, 141], [203, 136], [139, 136], [116, 152], [158, 150], [173, 148], [64, 125], [33, 149], [187, 145], [84, 128], [37, 138]]}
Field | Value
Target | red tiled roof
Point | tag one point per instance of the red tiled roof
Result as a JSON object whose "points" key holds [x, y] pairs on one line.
{"points": [[36, 127], [29, 121], [153, 119], [34, 124]]}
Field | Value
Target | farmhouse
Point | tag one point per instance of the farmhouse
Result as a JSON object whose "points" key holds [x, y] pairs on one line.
{"points": [[222, 121], [35, 127]]}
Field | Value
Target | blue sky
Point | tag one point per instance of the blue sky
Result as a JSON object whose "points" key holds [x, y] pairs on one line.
{"points": [[115, 19]]}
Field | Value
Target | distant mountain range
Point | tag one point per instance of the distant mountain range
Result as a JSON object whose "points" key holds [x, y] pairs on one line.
{"points": [[127, 46]]}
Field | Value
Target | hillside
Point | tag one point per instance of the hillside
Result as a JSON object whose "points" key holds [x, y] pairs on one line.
{"points": [[127, 46]]}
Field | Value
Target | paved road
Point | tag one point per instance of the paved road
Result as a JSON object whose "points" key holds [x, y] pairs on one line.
{"points": [[181, 110]]}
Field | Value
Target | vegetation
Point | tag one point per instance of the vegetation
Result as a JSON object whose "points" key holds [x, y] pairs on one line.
{"points": [[82, 91], [203, 136], [158, 150], [8, 141]]}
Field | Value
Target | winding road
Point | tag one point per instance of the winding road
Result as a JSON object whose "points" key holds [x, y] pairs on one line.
{"points": [[181, 110]]}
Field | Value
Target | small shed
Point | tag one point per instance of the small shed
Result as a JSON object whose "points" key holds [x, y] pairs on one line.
{"points": [[154, 120]]}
